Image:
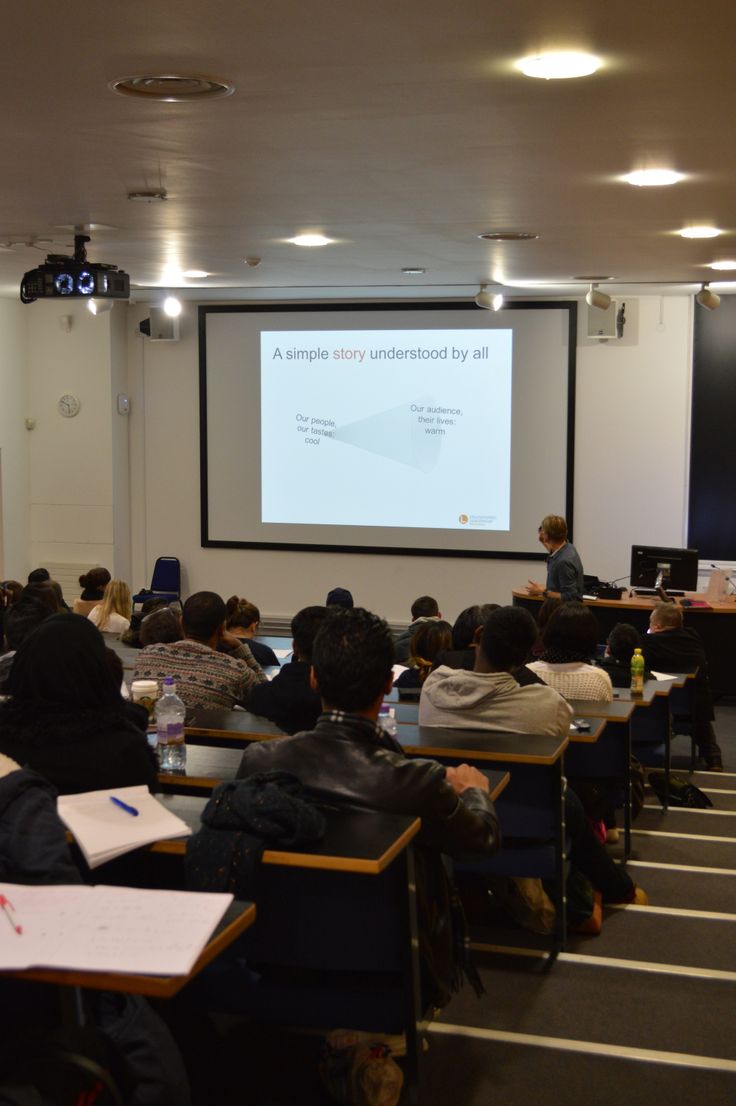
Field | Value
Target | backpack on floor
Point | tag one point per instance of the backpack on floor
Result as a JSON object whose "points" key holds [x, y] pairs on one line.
{"points": [[682, 793]]}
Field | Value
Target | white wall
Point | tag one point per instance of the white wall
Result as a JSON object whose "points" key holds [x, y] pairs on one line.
{"points": [[633, 432], [76, 464], [630, 485], [13, 444], [86, 499]]}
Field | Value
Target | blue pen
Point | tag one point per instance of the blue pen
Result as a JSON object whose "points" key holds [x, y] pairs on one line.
{"points": [[124, 806]]}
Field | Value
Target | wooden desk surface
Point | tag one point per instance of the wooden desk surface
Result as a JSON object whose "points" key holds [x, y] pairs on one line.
{"points": [[591, 735], [444, 744], [238, 917], [206, 767], [619, 710], [228, 727], [629, 601], [355, 840]]}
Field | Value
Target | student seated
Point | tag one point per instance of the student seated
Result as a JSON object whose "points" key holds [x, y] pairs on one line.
{"points": [[348, 759], [423, 609], [132, 636], [112, 615], [20, 621], [466, 630], [672, 647], [622, 641], [66, 717], [289, 699], [93, 584], [243, 620], [203, 676], [570, 639], [431, 638], [489, 698]]}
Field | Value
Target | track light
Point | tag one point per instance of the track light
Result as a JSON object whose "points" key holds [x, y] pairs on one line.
{"points": [[99, 306], [596, 298], [172, 307], [707, 298], [489, 300]]}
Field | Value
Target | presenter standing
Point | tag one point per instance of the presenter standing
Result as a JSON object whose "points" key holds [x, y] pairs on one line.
{"points": [[564, 567]]}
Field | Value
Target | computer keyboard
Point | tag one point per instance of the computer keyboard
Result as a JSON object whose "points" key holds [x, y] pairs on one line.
{"points": [[655, 591]]}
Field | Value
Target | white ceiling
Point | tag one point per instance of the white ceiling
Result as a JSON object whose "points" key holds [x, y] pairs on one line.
{"points": [[397, 127]]}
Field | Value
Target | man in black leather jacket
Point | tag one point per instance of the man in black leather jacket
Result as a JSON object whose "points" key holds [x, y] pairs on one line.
{"points": [[348, 758]]}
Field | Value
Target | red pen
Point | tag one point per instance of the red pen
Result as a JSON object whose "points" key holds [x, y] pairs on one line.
{"points": [[8, 910]]}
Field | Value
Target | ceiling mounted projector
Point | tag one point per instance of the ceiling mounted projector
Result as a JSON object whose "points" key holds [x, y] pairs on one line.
{"points": [[75, 277]]}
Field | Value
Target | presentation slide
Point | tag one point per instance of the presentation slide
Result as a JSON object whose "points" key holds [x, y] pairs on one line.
{"points": [[417, 428], [386, 428]]}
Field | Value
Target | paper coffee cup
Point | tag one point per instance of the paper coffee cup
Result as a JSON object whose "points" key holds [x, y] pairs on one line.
{"points": [[145, 692]]}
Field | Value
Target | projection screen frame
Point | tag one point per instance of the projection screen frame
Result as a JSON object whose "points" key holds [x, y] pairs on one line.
{"points": [[569, 306]]}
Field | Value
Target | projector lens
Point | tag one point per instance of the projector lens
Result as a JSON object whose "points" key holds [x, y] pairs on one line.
{"points": [[64, 284], [85, 283]]}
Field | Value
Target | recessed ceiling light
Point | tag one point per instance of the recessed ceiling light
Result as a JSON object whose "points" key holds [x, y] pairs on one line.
{"points": [[195, 274], [310, 240], [508, 236], [152, 196], [651, 178], [558, 65], [724, 265], [699, 232], [408, 271], [172, 87]]}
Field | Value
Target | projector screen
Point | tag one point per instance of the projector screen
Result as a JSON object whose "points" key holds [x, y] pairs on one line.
{"points": [[420, 428]]}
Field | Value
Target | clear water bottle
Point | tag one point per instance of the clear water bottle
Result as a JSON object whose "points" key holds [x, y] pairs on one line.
{"points": [[386, 720], [170, 711]]}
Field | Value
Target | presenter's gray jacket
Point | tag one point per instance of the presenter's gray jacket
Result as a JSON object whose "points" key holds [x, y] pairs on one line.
{"points": [[565, 572]]}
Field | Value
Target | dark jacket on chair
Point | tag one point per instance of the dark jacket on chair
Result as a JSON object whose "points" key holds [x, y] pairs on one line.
{"points": [[348, 760]]}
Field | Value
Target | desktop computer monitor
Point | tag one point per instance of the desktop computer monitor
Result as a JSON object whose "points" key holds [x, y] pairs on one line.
{"points": [[658, 565]]}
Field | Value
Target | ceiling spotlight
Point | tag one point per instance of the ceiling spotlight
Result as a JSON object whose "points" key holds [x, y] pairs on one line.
{"points": [[723, 266], [195, 274], [651, 178], [99, 307], [172, 306], [485, 299], [413, 270], [707, 298], [310, 240], [558, 65], [596, 298], [699, 232]]}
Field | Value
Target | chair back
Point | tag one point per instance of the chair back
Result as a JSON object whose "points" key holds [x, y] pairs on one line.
{"points": [[166, 575]]}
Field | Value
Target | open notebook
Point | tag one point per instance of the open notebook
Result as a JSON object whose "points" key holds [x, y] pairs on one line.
{"points": [[106, 929], [104, 829]]}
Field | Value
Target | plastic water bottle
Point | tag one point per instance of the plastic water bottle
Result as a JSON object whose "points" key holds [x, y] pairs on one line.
{"points": [[637, 673], [170, 711], [386, 720]]}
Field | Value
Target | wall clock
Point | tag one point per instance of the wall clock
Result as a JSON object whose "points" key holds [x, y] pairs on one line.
{"points": [[69, 406]]}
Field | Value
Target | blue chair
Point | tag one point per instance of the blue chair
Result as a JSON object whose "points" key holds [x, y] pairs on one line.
{"points": [[165, 582]]}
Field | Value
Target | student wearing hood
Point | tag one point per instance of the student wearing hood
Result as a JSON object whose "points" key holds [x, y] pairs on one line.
{"points": [[66, 718]]}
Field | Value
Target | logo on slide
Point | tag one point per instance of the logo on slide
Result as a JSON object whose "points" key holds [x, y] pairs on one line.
{"points": [[463, 519]]}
